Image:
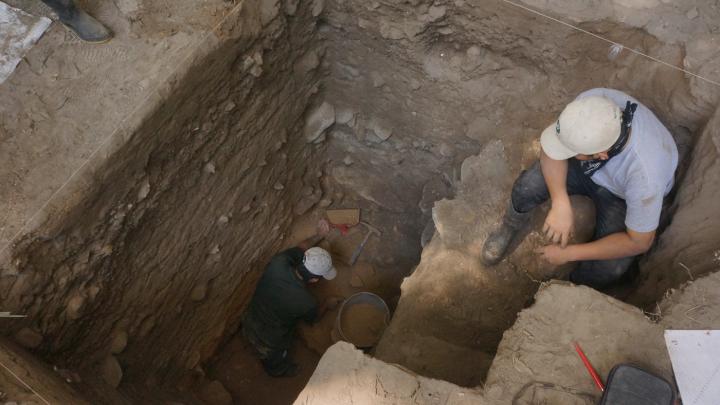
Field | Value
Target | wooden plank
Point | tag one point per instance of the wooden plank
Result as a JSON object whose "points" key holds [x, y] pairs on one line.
{"points": [[350, 217]]}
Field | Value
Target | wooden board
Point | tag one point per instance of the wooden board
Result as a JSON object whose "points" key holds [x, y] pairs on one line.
{"points": [[349, 217]]}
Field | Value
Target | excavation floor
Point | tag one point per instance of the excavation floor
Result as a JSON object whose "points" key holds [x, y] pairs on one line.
{"points": [[243, 376]]}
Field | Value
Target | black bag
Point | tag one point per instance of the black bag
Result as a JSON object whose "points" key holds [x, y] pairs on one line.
{"points": [[630, 385]]}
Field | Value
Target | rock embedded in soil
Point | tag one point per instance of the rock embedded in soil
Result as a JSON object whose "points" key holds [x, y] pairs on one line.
{"points": [[111, 371], [345, 116], [28, 338], [119, 342], [318, 121], [381, 130], [199, 292], [74, 307]]}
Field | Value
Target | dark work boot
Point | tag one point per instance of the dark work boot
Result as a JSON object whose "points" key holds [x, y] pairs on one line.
{"points": [[81, 23], [86, 27], [497, 243]]}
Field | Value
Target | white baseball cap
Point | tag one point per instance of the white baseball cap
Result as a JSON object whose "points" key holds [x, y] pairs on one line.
{"points": [[319, 262], [586, 126]]}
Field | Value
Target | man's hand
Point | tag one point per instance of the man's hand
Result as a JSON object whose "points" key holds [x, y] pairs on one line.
{"points": [[323, 227], [553, 254], [559, 223]]}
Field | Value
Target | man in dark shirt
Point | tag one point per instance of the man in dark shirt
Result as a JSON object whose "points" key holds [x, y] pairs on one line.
{"points": [[281, 299]]}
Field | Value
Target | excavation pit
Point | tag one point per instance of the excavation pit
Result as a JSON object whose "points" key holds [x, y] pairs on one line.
{"points": [[258, 116]]}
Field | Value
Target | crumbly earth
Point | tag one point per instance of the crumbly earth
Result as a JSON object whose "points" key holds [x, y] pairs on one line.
{"points": [[212, 127], [28, 381], [362, 324], [536, 361]]}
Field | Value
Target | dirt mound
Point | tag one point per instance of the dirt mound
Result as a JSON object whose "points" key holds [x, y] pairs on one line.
{"points": [[363, 324]]}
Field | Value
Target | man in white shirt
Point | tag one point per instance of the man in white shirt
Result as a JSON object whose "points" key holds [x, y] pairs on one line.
{"points": [[608, 146]]}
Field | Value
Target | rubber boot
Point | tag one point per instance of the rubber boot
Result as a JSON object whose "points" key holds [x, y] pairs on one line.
{"points": [[86, 27], [497, 243]]}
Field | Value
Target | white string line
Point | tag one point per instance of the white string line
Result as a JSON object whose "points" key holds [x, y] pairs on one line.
{"points": [[670, 65], [24, 383], [111, 136]]}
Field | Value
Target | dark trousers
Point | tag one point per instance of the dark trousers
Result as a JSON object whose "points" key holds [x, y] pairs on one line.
{"points": [[65, 9], [530, 190], [275, 361]]}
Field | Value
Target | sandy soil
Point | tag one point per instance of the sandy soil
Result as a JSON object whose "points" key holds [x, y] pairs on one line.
{"points": [[363, 324], [243, 376]]}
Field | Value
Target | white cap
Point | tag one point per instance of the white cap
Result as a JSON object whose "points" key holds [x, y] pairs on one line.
{"points": [[319, 262], [586, 126]]}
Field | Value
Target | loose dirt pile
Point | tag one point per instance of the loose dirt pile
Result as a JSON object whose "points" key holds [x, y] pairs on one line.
{"points": [[362, 324]]}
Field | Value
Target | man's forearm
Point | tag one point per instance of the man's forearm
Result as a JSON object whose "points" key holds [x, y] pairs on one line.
{"points": [[555, 174], [614, 246]]}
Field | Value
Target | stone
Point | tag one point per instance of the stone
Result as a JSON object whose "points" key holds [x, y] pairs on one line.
{"points": [[193, 360], [318, 121], [229, 106], [415, 84], [345, 116], [445, 150], [74, 307], [144, 190], [436, 12], [307, 191], [269, 9], [278, 186], [377, 79], [348, 160], [692, 13], [28, 338], [209, 168], [199, 292], [473, 51], [381, 130], [111, 371], [320, 139], [216, 394], [388, 31], [307, 63], [119, 342], [355, 281], [317, 7]]}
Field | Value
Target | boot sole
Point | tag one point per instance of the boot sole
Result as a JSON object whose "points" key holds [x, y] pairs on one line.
{"points": [[75, 34]]}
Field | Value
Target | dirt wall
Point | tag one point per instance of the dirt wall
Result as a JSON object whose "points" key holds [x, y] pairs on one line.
{"points": [[688, 248], [156, 264]]}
